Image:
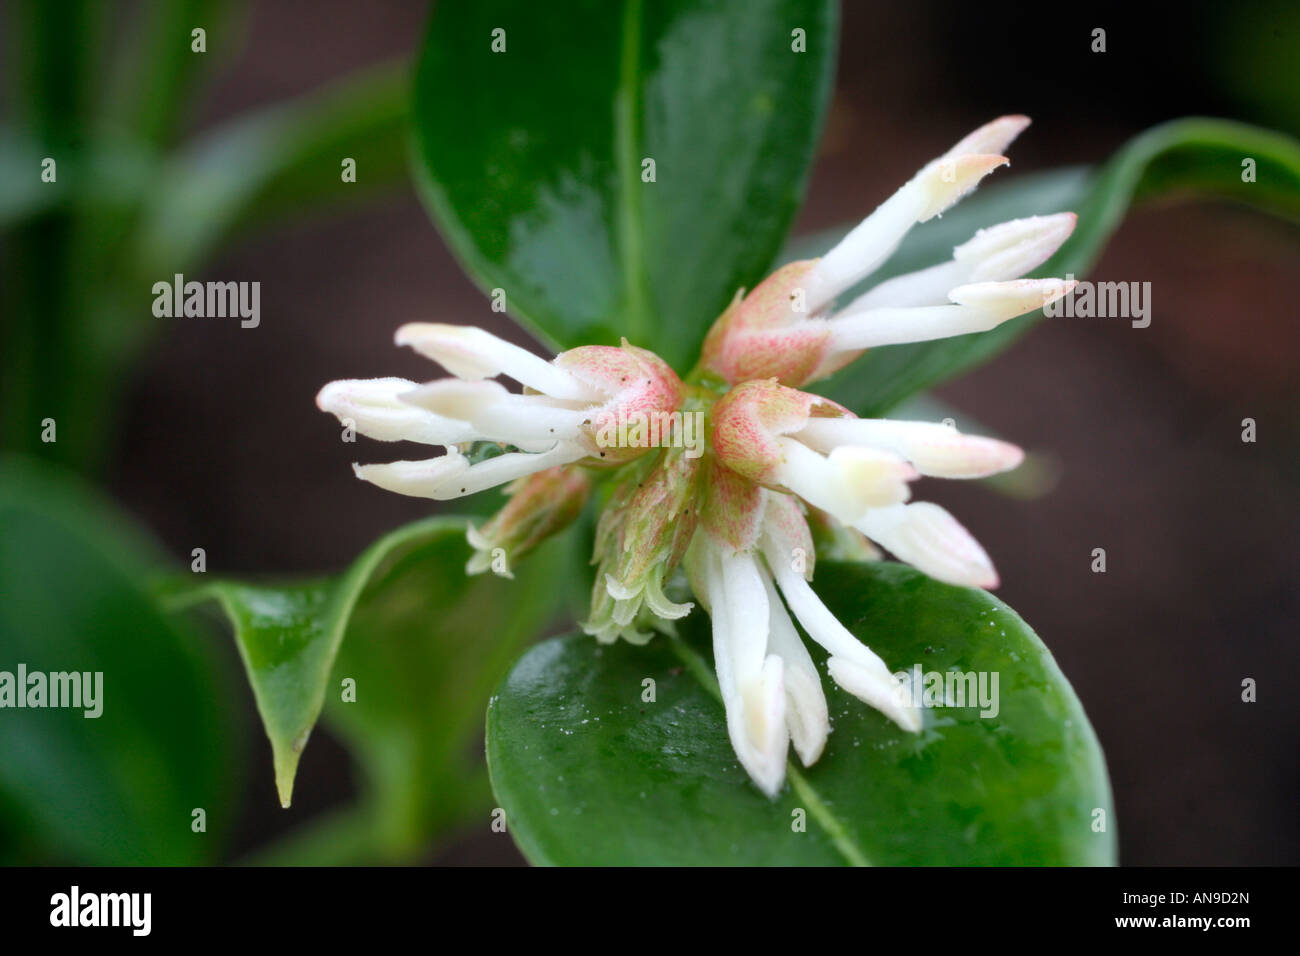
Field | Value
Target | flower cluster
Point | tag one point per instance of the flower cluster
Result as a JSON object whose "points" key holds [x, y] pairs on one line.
{"points": [[780, 464]]}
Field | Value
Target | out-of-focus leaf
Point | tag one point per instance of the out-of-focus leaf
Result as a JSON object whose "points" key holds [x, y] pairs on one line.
{"points": [[591, 772], [534, 160], [424, 646], [120, 788], [159, 73], [1185, 158], [286, 158], [56, 55]]}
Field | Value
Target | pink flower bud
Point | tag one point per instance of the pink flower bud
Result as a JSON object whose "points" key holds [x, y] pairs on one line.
{"points": [[747, 423], [638, 385], [642, 536], [768, 333], [540, 505], [733, 510]]}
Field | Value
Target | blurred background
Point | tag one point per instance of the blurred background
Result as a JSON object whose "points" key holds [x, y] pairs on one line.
{"points": [[219, 444]]}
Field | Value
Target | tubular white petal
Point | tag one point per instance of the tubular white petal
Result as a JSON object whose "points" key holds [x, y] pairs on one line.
{"points": [[936, 187], [658, 602], [374, 408], [864, 674], [993, 137], [451, 476], [746, 598], [1010, 249], [935, 449], [858, 254], [806, 714], [923, 287], [417, 478], [765, 725], [821, 625], [881, 691], [945, 181], [758, 757], [615, 589], [846, 482], [472, 353], [1001, 252], [876, 327], [929, 538], [980, 307], [625, 611], [1006, 300], [496, 413]]}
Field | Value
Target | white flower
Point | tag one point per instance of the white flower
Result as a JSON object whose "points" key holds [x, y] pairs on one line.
{"points": [[770, 688], [736, 517], [554, 424], [788, 329], [857, 470]]}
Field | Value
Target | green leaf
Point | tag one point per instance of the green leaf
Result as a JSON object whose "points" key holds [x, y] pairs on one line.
{"points": [[279, 161], [1185, 158], [590, 773], [120, 788], [159, 72], [425, 645], [531, 159]]}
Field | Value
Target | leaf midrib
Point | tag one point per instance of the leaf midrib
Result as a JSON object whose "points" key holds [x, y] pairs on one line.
{"points": [[627, 140], [817, 807]]}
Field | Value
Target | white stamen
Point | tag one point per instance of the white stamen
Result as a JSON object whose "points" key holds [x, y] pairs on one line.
{"points": [[452, 476], [928, 537], [1015, 297], [374, 409], [846, 482], [747, 611], [806, 714], [939, 184], [936, 187], [993, 137], [1002, 252], [863, 673], [658, 602], [496, 413], [981, 307], [754, 707], [1010, 249], [471, 353], [935, 449]]}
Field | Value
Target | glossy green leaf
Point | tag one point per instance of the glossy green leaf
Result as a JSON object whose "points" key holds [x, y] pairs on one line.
{"points": [[1192, 157], [424, 646], [532, 159], [590, 772], [120, 788]]}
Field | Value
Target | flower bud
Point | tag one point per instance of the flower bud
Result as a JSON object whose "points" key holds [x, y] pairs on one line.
{"points": [[640, 390], [755, 433], [768, 333], [540, 506], [642, 536]]}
